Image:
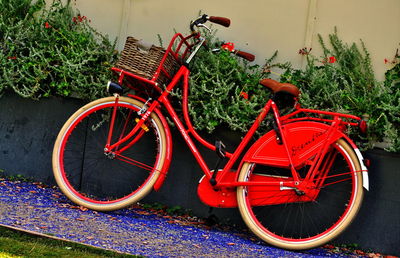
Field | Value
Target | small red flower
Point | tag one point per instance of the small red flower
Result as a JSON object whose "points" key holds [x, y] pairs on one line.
{"points": [[47, 25], [228, 46], [332, 59], [305, 51], [11, 57], [79, 18], [244, 95]]}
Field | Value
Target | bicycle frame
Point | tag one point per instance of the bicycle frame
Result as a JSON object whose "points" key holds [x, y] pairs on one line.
{"points": [[224, 179]]}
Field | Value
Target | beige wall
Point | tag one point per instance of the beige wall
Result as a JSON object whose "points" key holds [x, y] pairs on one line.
{"points": [[258, 26]]}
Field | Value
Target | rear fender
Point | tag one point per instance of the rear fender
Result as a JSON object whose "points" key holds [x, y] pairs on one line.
{"points": [[168, 156], [360, 157], [304, 140]]}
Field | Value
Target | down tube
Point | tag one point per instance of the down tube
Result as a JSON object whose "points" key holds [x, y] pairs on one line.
{"points": [[187, 138]]}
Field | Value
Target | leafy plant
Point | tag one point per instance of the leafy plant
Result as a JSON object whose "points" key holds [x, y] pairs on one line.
{"points": [[224, 89], [55, 51], [51, 51], [392, 76], [342, 80], [391, 104]]}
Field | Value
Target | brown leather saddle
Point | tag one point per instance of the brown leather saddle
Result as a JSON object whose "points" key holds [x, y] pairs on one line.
{"points": [[276, 87], [284, 94]]}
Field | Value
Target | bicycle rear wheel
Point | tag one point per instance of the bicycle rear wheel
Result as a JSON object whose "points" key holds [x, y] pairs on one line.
{"points": [[297, 223], [102, 181]]}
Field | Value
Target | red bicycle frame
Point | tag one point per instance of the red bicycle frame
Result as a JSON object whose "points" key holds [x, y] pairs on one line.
{"points": [[331, 128]]}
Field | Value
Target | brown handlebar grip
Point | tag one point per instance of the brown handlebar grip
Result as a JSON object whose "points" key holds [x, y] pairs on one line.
{"points": [[220, 20], [245, 55]]}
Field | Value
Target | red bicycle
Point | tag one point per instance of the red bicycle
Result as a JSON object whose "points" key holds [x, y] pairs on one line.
{"points": [[298, 186]]}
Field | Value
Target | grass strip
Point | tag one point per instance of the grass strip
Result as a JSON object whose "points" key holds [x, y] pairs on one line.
{"points": [[15, 243]]}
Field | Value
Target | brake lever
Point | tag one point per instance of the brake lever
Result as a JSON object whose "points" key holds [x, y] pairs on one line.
{"points": [[203, 26], [199, 21]]}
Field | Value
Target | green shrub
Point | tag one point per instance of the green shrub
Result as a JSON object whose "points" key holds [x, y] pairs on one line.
{"points": [[392, 76], [342, 80], [51, 51], [224, 89], [56, 52], [391, 105]]}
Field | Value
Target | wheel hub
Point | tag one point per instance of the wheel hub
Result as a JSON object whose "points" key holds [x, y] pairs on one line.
{"points": [[109, 154]]}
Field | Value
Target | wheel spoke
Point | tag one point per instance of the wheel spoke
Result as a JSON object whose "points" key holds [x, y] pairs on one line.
{"points": [[135, 163]]}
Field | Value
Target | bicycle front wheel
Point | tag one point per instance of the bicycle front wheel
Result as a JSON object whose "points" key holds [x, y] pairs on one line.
{"points": [[288, 219], [103, 181]]}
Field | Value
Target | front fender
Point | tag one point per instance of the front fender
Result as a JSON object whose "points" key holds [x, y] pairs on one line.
{"points": [[168, 156]]}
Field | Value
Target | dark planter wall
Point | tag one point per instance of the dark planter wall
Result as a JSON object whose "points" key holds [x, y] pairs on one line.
{"points": [[28, 130], [378, 222]]}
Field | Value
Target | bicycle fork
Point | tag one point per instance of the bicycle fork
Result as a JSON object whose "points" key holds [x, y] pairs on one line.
{"points": [[111, 150]]}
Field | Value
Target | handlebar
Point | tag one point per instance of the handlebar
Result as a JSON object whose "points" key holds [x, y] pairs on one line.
{"points": [[231, 48], [199, 22], [220, 20], [245, 55]]}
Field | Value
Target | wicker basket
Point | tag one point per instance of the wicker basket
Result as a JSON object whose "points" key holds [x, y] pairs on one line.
{"points": [[145, 63]]}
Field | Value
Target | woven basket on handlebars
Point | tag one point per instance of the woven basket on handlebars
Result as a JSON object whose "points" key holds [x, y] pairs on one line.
{"points": [[145, 63]]}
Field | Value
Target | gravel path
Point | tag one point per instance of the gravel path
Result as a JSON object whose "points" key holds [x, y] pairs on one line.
{"points": [[33, 207]]}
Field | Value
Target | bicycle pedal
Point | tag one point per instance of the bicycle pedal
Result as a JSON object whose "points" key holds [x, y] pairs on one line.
{"points": [[220, 149], [144, 127]]}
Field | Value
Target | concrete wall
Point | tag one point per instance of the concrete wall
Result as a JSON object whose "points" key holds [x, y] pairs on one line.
{"points": [[258, 26]]}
